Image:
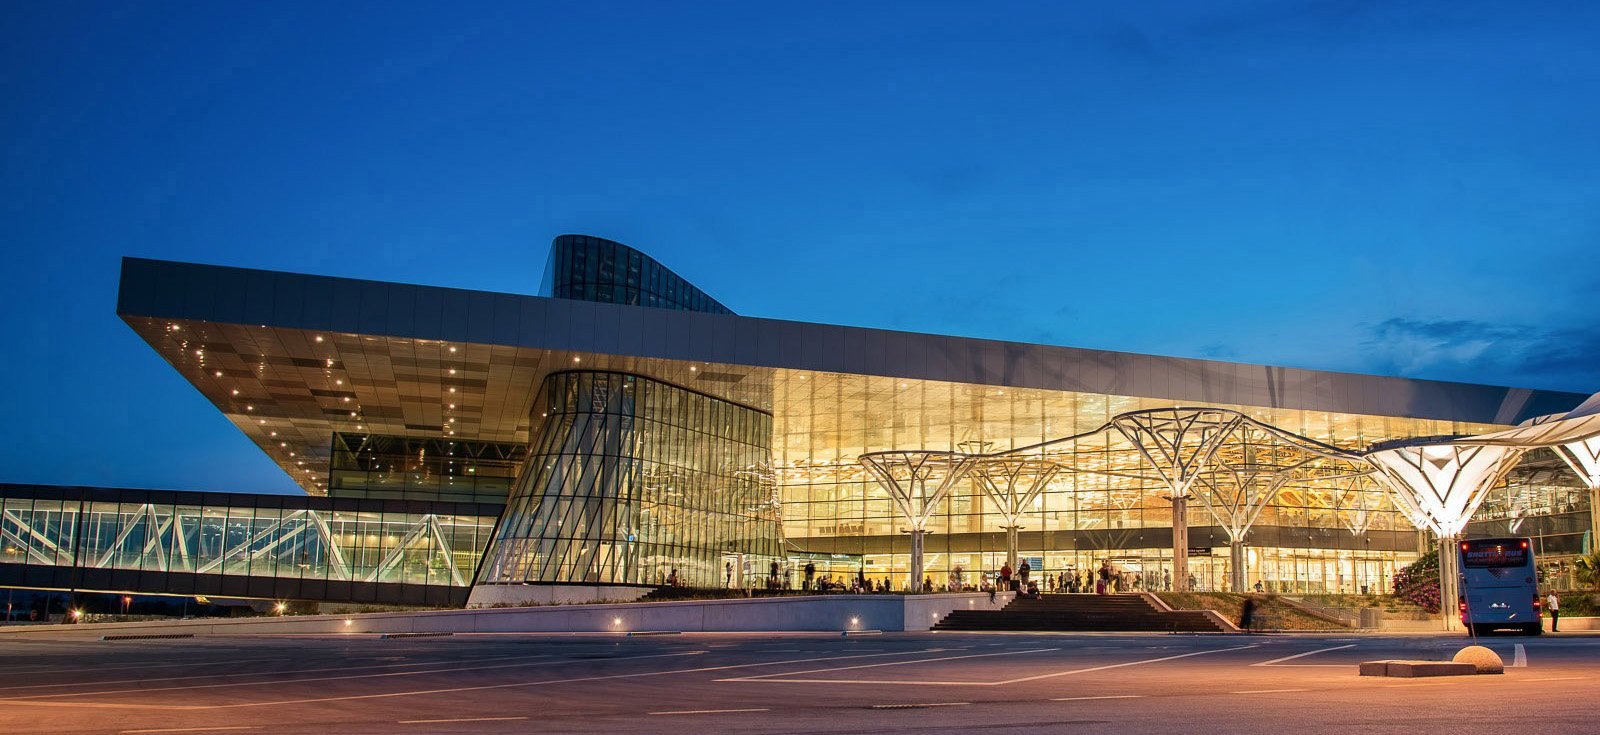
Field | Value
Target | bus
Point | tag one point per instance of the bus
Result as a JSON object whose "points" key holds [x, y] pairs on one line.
{"points": [[1499, 588]]}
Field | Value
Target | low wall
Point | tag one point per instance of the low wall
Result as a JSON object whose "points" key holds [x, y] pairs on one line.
{"points": [[526, 595], [1574, 623], [803, 613]]}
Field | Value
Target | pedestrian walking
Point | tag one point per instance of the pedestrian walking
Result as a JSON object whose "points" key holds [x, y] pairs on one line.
{"points": [[1247, 614], [1553, 604], [1022, 571], [728, 567], [772, 575], [1005, 576], [811, 573]]}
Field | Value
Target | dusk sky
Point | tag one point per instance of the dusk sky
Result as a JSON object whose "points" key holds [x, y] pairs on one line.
{"points": [[1339, 185]]}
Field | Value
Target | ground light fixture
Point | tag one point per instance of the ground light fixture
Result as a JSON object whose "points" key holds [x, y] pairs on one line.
{"points": [[281, 608]]}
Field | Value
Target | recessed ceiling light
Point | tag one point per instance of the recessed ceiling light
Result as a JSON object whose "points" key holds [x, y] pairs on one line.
{"points": [[319, 338], [236, 391]]}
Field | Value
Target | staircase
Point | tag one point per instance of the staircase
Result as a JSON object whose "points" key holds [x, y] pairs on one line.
{"points": [[1081, 612]]}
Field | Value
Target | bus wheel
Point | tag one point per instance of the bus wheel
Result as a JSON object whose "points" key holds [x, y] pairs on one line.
{"points": [[1533, 629]]}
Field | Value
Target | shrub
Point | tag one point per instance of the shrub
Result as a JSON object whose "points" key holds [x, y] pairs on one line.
{"points": [[1588, 570], [1419, 582]]}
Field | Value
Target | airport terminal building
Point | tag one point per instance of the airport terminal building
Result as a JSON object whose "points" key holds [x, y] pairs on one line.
{"points": [[624, 430]]}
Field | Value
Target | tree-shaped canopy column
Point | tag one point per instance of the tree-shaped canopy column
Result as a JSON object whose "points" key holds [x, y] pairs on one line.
{"points": [[1013, 483], [1355, 500], [917, 481], [1441, 484], [1179, 444]]}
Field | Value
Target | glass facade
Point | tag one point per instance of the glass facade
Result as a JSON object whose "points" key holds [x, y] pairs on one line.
{"points": [[1103, 505], [630, 479], [371, 549], [1545, 501], [420, 468], [595, 269]]}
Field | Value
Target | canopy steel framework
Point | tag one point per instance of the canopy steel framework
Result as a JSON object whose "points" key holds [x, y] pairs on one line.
{"points": [[1230, 462], [906, 476]]}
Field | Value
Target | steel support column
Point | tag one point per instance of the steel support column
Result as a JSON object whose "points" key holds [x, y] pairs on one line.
{"points": [[1180, 544]]}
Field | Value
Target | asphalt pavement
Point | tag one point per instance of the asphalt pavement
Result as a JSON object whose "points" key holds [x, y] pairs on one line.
{"points": [[787, 683]]}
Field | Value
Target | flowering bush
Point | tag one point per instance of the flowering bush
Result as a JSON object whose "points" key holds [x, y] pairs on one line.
{"points": [[1419, 582]]}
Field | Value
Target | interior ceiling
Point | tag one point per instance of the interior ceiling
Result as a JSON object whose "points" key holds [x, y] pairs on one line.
{"points": [[290, 389]]}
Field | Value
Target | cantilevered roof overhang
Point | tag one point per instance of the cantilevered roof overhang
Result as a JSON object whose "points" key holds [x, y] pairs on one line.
{"points": [[291, 358]]}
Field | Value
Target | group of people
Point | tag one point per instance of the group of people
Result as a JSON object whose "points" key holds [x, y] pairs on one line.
{"points": [[1108, 579]]}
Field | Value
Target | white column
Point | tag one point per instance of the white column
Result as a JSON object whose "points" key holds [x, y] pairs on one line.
{"points": [[916, 559], [1440, 485], [1180, 544], [1236, 567]]}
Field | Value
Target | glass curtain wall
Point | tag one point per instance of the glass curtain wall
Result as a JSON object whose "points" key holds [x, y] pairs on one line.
{"points": [[840, 520], [257, 536], [417, 468], [595, 269], [629, 480]]}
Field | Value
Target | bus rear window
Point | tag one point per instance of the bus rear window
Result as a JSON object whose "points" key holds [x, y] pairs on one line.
{"points": [[1494, 555]]}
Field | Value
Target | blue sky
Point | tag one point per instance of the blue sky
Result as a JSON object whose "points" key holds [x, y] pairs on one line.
{"points": [[1341, 185]]}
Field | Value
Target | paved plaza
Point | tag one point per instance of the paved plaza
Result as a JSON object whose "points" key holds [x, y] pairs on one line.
{"points": [[911, 682]]}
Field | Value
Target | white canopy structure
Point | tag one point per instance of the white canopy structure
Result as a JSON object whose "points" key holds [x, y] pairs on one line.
{"points": [[1441, 481]]}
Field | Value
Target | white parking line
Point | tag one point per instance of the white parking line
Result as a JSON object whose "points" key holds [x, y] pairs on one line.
{"points": [[1118, 666], [281, 681], [709, 711], [889, 663], [198, 729], [460, 689], [1277, 661], [1268, 691], [920, 705], [1103, 696], [1558, 678], [782, 677], [460, 719], [1520, 659], [235, 674]]}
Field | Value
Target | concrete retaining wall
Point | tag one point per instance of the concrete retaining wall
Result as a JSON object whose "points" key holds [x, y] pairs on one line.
{"points": [[807, 613], [1574, 623], [527, 595]]}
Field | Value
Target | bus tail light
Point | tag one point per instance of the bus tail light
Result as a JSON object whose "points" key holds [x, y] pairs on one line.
{"points": [[1461, 606], [1538, 605]]}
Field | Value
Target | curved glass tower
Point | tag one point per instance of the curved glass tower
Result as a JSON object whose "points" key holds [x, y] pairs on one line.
{"points": [[633, 481], [596, 269]]}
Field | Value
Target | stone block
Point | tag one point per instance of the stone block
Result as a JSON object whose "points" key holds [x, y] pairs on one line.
{"points": [[1416, 669]]}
